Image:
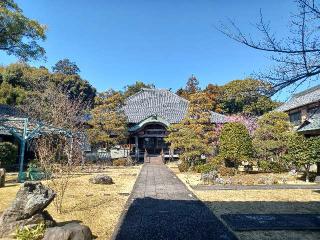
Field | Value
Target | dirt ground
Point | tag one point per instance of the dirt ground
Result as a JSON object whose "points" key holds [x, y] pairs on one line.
{"points": [[259, 201], [98, 206]]}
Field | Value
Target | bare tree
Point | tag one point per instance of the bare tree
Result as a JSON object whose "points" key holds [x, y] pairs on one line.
{"points": [[58, 152], [296, 57], [58, 156]]}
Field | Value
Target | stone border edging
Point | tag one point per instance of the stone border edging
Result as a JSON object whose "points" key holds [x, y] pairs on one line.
{"points": [[125, 209], [253, 187]]}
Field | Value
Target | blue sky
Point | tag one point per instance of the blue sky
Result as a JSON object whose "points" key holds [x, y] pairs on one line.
{"points": [[116, 43]]}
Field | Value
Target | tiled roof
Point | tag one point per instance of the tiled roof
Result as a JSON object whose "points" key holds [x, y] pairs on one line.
{"points": [[9, 111], [308, 96], [162, 103], [310, 124]]}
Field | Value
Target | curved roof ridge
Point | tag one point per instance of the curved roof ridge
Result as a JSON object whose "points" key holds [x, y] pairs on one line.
{"points": [[161, 102]]}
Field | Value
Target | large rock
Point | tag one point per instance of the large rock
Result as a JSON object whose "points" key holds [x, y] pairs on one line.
{"points": [[70, 231], [101, 179], [28, 208], [2, 177]]}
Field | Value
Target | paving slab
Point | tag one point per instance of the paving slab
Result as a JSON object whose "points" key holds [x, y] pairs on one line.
{"points": [[162, 207]]}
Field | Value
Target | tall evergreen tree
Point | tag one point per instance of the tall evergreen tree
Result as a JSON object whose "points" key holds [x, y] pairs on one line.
{"points": [[194, 135], [108, 122]]}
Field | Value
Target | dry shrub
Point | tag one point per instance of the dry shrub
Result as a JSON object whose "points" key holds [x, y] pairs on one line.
{"points": [[58, 156]]}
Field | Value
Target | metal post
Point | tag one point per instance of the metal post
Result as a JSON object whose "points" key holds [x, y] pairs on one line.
{"points": [[23, 141]]}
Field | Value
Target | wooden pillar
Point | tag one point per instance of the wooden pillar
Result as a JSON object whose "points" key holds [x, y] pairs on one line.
{"points": [[136, 141]]}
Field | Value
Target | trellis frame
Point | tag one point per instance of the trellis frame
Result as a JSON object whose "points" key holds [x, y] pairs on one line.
{"points": [[24, 130]]}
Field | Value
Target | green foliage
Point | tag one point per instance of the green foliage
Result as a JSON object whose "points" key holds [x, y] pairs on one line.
{"points": [[65, 66], [130, 90], [11, 95], [205, 168], [20, 81], [8, 153], [235, 144], [108, 122], [303, 152], [31, 233], [270, 139], [19, 35], [194, 135], [270, 166], [248, 95], [75, 86]]}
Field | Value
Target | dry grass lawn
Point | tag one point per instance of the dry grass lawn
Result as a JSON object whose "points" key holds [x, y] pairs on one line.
{"points": [[98, 206], [260, 201]]}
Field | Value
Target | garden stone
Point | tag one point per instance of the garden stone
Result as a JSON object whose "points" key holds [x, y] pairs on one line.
{"points": [[101, 179], [28, 208], [2, 177], [70, 231]]}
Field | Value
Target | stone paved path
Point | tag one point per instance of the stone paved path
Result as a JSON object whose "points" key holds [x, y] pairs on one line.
{"points": [[161, 207]]}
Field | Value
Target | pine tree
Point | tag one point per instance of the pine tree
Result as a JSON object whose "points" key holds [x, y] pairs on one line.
{"points": [[108, 122], [194, 135], [192, 85]]}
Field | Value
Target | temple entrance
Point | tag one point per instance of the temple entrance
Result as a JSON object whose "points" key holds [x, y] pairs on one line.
{"points": [[153, 145], [148, 137]]}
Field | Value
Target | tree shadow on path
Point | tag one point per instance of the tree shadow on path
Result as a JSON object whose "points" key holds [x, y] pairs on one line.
{"points": [[150, 219]]}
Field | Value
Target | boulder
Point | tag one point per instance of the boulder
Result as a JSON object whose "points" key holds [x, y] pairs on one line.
{"points": [[101, 179], [28, 208], [2, 177], [70, 231]]}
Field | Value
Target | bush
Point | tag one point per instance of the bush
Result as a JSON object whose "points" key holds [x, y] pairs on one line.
{"points": [[205, 168], [225, 171], [119, 162], [8, 153], [235, 144], [183, 167], [33, 233], [269, 166]]}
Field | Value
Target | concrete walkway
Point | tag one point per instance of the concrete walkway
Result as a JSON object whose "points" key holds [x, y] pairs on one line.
{"points": [[161, 207]]}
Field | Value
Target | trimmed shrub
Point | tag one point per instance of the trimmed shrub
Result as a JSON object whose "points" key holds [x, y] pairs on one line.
{"points": [[235, 144], [205, 168], [119, 162], [183, 166], [268, 166], [8, 153], [226, 171]]}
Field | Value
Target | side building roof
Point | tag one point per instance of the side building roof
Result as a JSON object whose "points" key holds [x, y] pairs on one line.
{"points": [[306, 97], [162, 103]]}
